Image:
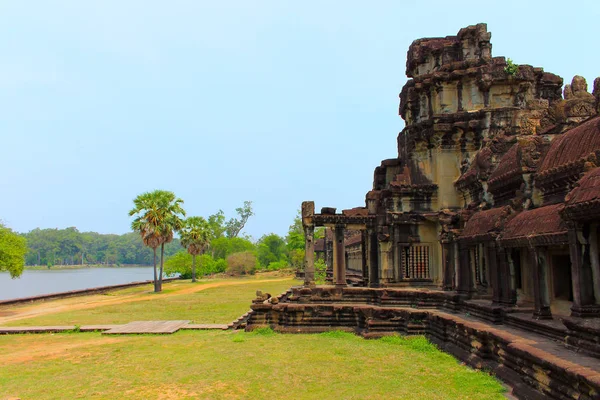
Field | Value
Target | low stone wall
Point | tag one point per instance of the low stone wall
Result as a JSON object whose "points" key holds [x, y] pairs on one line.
{"points": [[82, 292], [532, 372]]}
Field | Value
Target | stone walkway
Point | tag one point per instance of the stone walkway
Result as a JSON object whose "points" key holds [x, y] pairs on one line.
{"points": [[135, 327], [541, 342]]}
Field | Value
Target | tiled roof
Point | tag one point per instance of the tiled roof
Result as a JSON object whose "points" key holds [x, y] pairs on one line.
{"points": [[482, 222], [537, 222], [571, 147]]}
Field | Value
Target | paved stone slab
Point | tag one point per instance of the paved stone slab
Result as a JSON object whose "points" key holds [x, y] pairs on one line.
{"points": [[35, 329], [223, 327], [93, 328], [138, 327]]}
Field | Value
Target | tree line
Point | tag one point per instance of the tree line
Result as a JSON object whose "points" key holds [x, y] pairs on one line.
{"points": [[159, 214], [223, 253], [50, 247], [219, 243]]}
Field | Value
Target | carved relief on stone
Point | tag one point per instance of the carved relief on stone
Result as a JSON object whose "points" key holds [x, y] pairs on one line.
{"points": [[501, 142], [596, 93], [567, 92], [531, 152], [579, 104]]}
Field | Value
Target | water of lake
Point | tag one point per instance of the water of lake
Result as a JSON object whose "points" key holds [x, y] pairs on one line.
{"points": [[34, 283]]}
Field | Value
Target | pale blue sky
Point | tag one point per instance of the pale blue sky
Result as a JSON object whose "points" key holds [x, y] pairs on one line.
{"points": [[224, 101]]}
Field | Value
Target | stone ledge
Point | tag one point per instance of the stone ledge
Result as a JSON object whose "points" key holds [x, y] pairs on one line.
{"points": [[533, 372]]}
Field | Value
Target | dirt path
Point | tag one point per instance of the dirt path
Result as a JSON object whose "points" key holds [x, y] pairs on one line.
{"points": [[9, 314]]}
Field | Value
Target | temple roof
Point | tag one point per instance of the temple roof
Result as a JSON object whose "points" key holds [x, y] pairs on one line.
{"points": [[538, 226], [509, 165], [354, 240], [583, 202], [477, 170], [572, 147], [412, 180], [483, 223]]}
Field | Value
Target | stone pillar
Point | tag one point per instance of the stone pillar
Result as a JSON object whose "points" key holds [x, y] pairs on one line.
{"points": [[308, 211], [583, 297], [339, 257], [595, 261], [508, 295], [456, 260], [465, 280], [373, 259], [494, 272], [386, 260], [309, 256], [363, 255], [326, 250], [544, 277], [448, 265], [542, 308]]}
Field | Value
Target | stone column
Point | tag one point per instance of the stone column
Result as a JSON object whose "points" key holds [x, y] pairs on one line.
{"points": [[492, 265], [373, 259], [309, 256], [308, 212], [326, 250], [542, 309], [363, 256], [339, 257], [576, 273], [595, 261], [456, 261], [448, 265], [508, 295], [544, 278], [464, 284], [386, 260], [583, 297]]}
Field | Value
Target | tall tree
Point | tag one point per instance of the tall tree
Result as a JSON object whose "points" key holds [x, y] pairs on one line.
{"points": [[234, 226], [12, 251], [216, 223], [195, 236], [172, 222], [157, 216]]}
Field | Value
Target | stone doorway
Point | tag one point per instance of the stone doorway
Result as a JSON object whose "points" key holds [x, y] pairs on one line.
{"points": [[562, 288]]}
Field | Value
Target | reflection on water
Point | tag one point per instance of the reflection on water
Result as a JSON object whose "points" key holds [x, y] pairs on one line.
{"points": [[33, 283]]}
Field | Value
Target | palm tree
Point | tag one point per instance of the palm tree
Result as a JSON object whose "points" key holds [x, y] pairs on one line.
{"points": [[157, 216], [171, 223], [194, 236]]}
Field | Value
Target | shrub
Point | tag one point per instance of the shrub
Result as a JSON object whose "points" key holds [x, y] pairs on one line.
{"points": [[220, 266], [511, 68], [181, 263], [320, 271], [297, 259], [243, 263], [277, 265]]}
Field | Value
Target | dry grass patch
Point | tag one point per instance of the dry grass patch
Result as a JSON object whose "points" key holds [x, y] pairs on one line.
{"points": [[207, 301]]}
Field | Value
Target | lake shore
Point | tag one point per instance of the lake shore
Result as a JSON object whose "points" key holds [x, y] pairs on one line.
{"points": [[82, 266]]}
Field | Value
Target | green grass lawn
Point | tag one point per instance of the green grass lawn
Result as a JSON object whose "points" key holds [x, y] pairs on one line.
{"points": [[234, 365], [221, 364], [213, 305]]}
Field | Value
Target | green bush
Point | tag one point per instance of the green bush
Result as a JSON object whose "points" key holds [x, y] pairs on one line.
{"points": [[181, 263], [320, 271], [277, 265], [511, 68]]}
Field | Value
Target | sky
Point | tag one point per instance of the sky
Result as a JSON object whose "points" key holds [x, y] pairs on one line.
{"points": [[275, 102]]}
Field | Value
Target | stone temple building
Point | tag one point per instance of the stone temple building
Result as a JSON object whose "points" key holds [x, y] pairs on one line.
{"points": [[490, 210], [482, 196]]}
